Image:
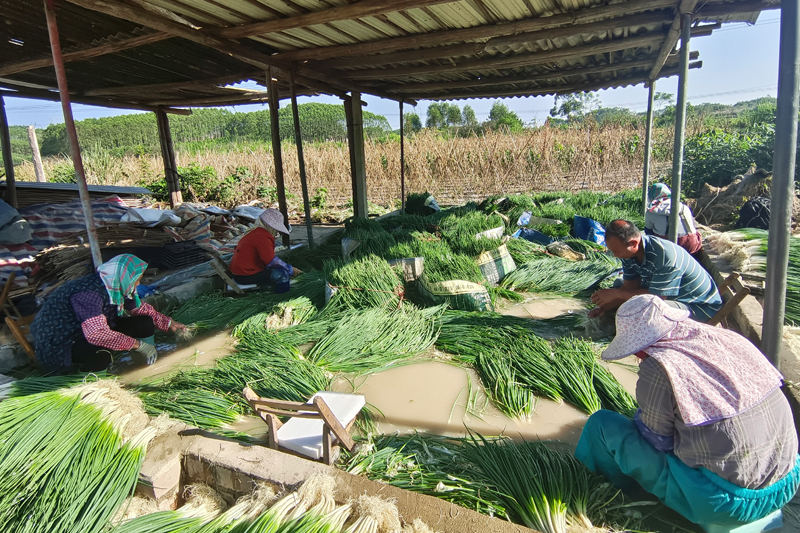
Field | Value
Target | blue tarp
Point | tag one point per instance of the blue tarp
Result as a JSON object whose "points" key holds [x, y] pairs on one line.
{"points": [[589, 230]]}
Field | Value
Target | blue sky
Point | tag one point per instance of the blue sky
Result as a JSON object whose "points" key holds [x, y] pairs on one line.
{"points": [[740, 62]]}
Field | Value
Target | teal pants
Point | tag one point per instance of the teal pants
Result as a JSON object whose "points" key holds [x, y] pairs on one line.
{"points": [[612, 446]]}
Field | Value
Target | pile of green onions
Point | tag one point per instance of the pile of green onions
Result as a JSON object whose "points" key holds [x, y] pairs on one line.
{"points": [[64, 466]]}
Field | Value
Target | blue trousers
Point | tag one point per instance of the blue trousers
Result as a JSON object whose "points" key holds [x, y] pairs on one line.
{"points": [[612, 446], [275, 277]]}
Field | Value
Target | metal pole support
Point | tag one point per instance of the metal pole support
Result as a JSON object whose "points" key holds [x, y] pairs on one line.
{"points": [[275, 132], [402, 162], [298, 140], [8, 160], [72, 133], [648, 144], [782, 190], [680, 127]]}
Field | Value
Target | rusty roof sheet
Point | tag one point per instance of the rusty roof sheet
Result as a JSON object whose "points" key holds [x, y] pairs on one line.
{"points": [[405, 49]]}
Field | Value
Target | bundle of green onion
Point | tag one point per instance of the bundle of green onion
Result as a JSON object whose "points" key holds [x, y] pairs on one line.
{"points": [[197, 407], [747, 250], [215, 311], [362, 284], [366, 341], [545, 489], [553, 274], [515, 363], [427, 464], [523, 251], [64, 466]]}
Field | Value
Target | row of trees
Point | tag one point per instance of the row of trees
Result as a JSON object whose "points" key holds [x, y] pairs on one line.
{"points": [[139, 134], [446, 116]]}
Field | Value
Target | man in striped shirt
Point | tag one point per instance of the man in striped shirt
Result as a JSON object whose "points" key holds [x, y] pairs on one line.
{"points": [[651, 265]]}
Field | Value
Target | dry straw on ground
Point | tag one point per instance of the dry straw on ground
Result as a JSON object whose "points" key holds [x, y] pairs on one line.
{"points": [[455, 169]]}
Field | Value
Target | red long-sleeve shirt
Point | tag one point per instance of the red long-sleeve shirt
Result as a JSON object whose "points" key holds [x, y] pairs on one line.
{"points": [[253, 253]]}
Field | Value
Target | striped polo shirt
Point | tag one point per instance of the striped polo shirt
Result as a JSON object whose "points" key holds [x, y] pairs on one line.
{"points": [[670, 272]]}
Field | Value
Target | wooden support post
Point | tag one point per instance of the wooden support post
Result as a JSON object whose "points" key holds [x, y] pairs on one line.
{"points": [[348, 114], [72, 133], [360, 206], [275, 130], [8, 161], [298, 140], [38, 170], [402, 163], [168, 155]]}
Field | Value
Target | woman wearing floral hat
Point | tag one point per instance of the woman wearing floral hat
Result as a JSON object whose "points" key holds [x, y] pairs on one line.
{"points": [[714, 437], [254, 261]]}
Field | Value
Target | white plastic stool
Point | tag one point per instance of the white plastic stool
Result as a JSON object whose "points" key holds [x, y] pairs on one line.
{"points": [[768, 523]]}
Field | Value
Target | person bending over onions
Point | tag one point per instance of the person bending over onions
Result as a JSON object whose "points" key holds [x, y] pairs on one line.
{"points": [[254, 261], [88, 318], [714, 436]]}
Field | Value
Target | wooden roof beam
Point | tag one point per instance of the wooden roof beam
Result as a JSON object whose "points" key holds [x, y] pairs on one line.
{"points": [[82, 55], [457, 50], [674, 33], [418, 88], [513, 61], [37, 94], [563, 89], [363, 8], [163, 87], [306, 76], [486, 31]]}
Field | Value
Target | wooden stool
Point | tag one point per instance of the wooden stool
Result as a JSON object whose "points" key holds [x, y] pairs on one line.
{"points": [[5, 303], [733, 292], [308, 433], [19, 328]]}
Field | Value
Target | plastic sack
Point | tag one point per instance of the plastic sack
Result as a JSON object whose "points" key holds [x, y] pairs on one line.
{"points": [[458, 294], [496, 264], [533, 236], [589, 230]]}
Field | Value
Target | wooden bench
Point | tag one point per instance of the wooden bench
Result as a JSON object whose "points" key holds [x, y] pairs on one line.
{"points": [[314, 427]]}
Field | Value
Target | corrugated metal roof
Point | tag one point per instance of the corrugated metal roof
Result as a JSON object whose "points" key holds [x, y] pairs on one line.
{"points": [[405, 49]]}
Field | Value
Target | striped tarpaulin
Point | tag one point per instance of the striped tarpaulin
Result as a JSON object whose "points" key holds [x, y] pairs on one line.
{"points": [[50, 223]]}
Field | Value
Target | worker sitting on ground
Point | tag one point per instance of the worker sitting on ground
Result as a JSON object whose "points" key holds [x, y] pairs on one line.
{"points": [[714, 437], [656, 266], [82, 322], [254, 261], [656, 219]]}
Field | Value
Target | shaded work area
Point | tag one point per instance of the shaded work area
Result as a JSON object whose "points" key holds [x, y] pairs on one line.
{"points": [[357, 315]]}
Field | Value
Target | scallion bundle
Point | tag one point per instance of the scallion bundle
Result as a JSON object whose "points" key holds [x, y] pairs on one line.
{"points": [[64, 466], [366, 341], [362, 284]]}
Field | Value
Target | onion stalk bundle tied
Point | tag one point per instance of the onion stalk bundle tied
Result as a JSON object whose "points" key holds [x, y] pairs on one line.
{"points": [[215, 311], [370, 340], [363, 283], [746, 250], [505, 350], [544, 488], [64, 466], [553, 274]]}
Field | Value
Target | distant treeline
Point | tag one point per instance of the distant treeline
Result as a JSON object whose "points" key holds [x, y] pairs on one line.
{"points": [[126, 134]]}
